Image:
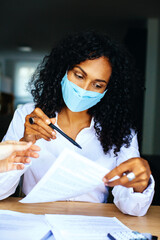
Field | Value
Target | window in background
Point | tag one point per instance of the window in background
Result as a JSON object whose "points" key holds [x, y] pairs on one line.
{"points": [[22, 74]]}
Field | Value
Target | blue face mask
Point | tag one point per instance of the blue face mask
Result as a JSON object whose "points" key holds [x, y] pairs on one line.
{"points": [[77, 99]]}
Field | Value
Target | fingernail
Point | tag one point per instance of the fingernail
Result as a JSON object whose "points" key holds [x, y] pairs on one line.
{"points": [[22, 166], [36, 155], [28, 160], [48, 121], [53, 133], [105, 180]]}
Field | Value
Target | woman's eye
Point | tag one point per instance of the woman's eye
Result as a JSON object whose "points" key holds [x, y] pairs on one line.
{"points": [[78, 76], [98, 86]]}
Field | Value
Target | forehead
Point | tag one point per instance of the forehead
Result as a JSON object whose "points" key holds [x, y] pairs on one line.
{"points": [[99, 67]]}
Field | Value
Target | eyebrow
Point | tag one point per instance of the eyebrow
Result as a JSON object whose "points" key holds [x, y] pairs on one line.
{"points": [[98, 80], [81, 70]]}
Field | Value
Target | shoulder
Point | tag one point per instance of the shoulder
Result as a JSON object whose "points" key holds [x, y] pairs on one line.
{"points": [[133, 135], [22, 111], [132, 150], [133, 141], [16, 128], [25, 109]]}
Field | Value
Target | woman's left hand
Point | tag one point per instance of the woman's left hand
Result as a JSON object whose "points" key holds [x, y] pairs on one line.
{"points": [[138, 166]]}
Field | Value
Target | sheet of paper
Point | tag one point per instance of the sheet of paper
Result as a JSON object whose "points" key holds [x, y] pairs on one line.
{"points": [[23, 226], [18, 226], [71, 175], [76, 227]]}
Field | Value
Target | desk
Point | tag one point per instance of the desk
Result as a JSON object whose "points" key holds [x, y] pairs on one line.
{"points": [[149, 223]]}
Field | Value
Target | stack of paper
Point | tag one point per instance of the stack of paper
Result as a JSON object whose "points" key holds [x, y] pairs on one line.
{"points": [[23, 226], [75, 227], [71, 175]]}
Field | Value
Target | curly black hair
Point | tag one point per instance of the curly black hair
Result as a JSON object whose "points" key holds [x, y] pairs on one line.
{"points": [[113, 115]]}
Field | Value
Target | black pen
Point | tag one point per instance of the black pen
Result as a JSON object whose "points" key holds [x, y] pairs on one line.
{"points": [[64, 135]]}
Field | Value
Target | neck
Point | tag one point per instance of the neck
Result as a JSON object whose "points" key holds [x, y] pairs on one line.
{"points": [[75, 117]]}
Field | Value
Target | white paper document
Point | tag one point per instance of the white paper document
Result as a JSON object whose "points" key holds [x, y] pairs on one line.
{"points": [[70, 176], [76, 227], [22, 226]]}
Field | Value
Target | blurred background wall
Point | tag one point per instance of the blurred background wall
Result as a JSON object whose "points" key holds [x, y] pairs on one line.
{"points": [[29, 29]]}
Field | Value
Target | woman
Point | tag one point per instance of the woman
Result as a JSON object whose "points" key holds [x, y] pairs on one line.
{"points": [[85, 87]]}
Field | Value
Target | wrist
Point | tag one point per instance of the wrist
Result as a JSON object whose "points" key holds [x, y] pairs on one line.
{"points": [[140, 189]]}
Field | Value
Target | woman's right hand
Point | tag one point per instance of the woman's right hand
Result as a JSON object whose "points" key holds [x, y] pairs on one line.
{"points": [[39, 129]]}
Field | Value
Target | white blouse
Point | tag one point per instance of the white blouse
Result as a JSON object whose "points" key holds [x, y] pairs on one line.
{"points": [[125, 199]]}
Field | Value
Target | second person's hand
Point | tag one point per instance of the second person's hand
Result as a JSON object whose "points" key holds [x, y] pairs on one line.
{"points": [[39, 128], [15, 154]]}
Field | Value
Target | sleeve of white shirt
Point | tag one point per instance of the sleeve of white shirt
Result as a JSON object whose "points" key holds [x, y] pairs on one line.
{"points": [[16, 127], [128, 201], [9, 180]]}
